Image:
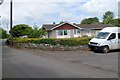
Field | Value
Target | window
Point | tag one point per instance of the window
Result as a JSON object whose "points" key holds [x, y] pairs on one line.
{"points": [[76, 31], [62, 32], [88, 31], [118, 35], [65, 32], [102, 35], [112, 36]]}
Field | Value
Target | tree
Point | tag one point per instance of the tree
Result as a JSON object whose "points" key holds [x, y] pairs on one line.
{"points": [[21, 30], [116, 22], [37, 33], [90, 20], [108, 17], [3, 34]]}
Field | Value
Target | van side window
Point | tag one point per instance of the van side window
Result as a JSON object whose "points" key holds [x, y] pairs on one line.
{"points": [[118, 35], [112, 36]]}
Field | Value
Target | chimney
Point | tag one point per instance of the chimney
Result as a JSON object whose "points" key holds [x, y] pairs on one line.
{"points": [[53, 23]]}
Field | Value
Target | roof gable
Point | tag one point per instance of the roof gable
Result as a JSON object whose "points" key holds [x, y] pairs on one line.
{"points": [[64, 24]]}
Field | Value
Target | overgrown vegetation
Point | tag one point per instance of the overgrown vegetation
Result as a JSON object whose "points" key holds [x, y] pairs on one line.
{"points": [[53, 41], [3, 34], [37, 33], [23, 29], [90, 20], [108, 18]]}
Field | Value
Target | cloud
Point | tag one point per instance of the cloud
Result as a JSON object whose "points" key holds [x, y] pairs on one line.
{"points": [[41, 12], [49, 11], [99, 7]]}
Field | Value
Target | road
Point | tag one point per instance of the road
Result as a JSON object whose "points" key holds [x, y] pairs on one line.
{"points": [[17, 63]]}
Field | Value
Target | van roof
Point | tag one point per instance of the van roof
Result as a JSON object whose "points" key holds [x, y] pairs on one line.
{"points": [[111, 29]]}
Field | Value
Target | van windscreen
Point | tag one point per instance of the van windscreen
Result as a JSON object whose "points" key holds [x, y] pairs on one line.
{"points": [[102, 35]]}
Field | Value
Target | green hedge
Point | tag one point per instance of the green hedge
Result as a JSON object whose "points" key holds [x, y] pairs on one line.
{"points": [[52, 41]]}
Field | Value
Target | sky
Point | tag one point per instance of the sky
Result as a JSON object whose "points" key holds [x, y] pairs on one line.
{"points": [[48, 11]]}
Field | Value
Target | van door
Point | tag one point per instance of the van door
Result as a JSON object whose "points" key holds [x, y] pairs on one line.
{"points": [[119, 40], [113, 41]]}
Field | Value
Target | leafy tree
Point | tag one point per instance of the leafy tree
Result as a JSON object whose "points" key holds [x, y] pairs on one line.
{"points": [[3, 34], [21, 30], [37, 33], [61, 22], [116, 22], [108, 17], [90, 20]]}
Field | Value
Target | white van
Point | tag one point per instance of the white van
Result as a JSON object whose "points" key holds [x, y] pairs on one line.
{"points": [[107, 39]]}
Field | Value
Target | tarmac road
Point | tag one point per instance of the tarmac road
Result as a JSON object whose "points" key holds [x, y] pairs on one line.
{"points": [[17, 63]]}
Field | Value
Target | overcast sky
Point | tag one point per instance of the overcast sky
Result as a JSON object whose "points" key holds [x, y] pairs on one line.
{"points": [[49, 11]]}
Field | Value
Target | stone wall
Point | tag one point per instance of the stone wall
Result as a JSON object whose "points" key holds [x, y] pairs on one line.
{"points": [[51, 47]]}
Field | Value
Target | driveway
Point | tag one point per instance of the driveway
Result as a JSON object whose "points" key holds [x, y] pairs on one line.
{"points": [[24, 63]]}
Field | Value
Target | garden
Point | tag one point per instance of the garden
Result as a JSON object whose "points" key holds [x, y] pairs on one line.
{"points": [[52, 43]]}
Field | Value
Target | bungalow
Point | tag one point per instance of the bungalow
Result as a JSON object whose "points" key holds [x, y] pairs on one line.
{"points": [[68, 30]]}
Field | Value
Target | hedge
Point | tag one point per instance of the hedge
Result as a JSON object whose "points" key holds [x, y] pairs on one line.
{"points": [[52, 41]]}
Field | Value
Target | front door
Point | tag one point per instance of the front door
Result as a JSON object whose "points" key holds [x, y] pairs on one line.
{"points": [[119, 40]]}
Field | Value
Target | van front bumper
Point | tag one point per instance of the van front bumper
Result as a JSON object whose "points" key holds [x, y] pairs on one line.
{"points": [[95, 47]]}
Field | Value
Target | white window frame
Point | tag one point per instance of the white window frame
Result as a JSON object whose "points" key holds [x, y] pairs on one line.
{"points": [[76, 31], [63, 36], [76, 34]]}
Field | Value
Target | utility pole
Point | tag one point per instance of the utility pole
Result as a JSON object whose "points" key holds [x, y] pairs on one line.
{"points": [[11, 23]]}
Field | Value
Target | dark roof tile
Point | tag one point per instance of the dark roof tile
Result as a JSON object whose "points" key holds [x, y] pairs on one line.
{"points": [[91, 26], [94, 26]]}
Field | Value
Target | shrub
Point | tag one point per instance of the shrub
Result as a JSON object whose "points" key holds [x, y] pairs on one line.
{"points": [[37, 33], [25, 40], [69, 42], [52, 41], [45, 41], [75, 41]]}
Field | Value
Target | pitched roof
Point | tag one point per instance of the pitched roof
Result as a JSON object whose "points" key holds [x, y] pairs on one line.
{"points": [[84, 26], [48, 26], [94, 26], [53, 26]]}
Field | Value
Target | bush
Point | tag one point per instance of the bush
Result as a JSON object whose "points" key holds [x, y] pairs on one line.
{"points": [[75, 41], [23, 40], [69, 42], [45, 41], [52, 41], [37, 33], [3, 34]]}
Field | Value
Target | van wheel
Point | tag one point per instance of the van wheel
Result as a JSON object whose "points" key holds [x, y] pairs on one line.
{"points": [[106, 49]]}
